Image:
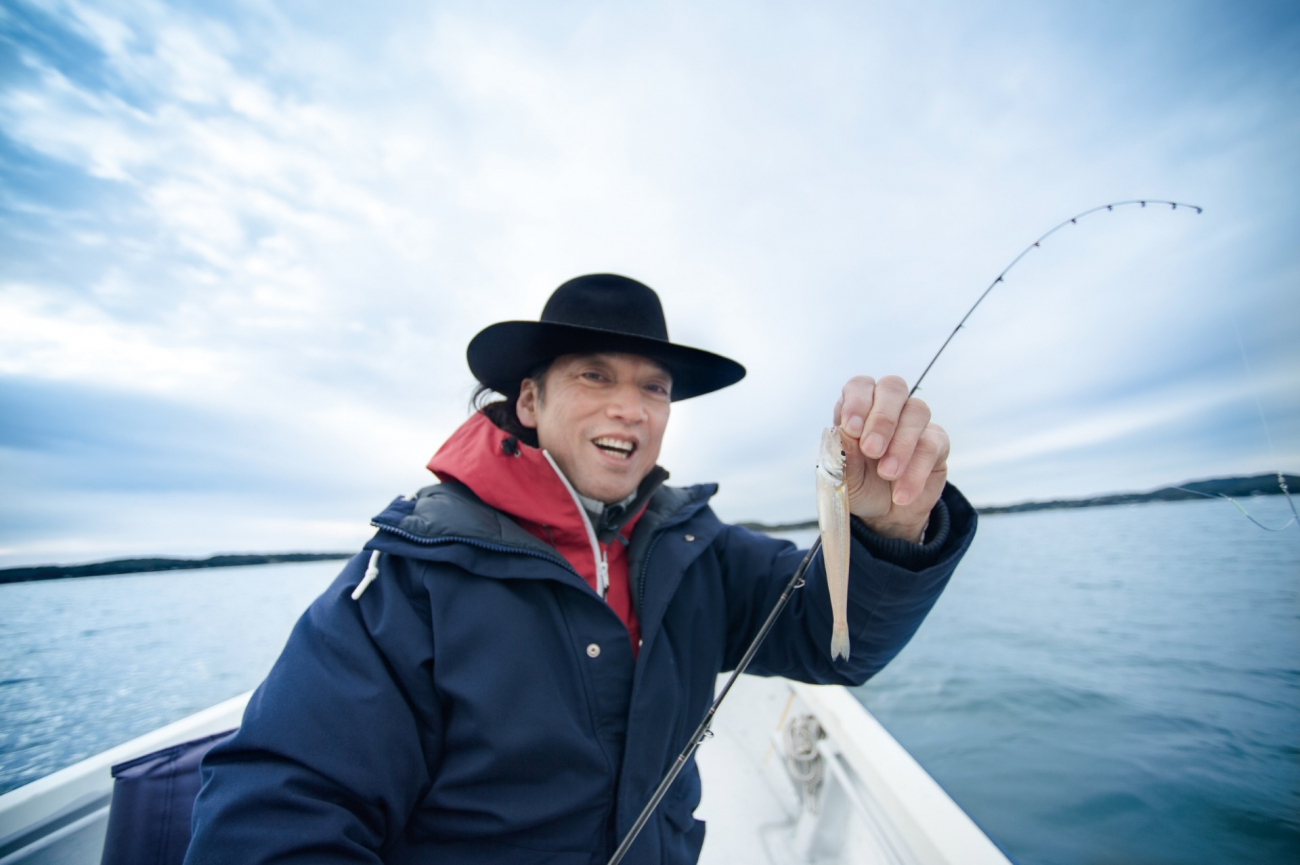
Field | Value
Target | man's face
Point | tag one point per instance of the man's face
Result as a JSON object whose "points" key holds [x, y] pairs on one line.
{"points": [[602, 419]]}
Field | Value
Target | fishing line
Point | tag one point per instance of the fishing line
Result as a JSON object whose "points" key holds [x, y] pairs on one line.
{"points": [[1268, 436], [1281, 480], [1254, 388]]}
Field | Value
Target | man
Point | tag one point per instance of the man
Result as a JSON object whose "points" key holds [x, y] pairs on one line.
{"points": [[509, 669]]}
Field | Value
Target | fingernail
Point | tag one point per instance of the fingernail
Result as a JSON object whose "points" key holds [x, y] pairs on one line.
{"points": [[874, 445], [902, 497], [854, 426], [889, 468]]}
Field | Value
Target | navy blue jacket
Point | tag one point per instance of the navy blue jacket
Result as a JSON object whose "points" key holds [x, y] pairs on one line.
{"points": [[480, 703]]}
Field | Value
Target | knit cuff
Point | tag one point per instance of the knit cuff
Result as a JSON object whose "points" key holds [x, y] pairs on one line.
{"points": [[906, 554]]}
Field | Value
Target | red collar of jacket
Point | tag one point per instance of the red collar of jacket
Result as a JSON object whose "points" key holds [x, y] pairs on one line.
{"points": [[519, 481]]}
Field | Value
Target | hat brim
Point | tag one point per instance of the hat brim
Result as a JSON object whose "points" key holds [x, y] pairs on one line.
{"points": [[502, 354]]}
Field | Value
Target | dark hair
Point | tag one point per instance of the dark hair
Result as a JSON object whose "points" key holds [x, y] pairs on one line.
{"points": [[504, 411]]}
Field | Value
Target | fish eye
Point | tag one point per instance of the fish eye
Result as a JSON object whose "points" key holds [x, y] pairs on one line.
{"points": [[843, 454]]}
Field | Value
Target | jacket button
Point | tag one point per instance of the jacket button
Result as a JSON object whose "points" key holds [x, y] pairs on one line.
{"points": [[690, 537], [593, 651]]}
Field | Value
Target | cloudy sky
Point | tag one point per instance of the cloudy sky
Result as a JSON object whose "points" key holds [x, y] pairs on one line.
{"points": [[243, 245]]}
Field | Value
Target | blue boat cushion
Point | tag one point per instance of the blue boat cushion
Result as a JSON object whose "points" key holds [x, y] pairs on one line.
{"points": [[153, 798]]}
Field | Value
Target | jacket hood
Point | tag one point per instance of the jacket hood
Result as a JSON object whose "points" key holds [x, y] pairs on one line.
{"points": [[499, 492], [511, 477]]}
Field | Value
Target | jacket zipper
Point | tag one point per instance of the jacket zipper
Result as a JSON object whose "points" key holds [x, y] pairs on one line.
{"points": [[498, 548], [645, 563], [645, 568], [597, 551]]}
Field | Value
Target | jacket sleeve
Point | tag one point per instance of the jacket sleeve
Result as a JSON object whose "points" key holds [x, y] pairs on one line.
{"points": [[892, 586], [320, 769]]}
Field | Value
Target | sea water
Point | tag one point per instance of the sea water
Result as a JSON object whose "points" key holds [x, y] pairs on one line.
{"points": [[92, 662], [1103, 685], [1117, 684]]}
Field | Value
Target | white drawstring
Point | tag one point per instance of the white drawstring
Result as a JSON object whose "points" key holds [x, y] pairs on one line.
{"points": [[597, 555], [371, 573]]}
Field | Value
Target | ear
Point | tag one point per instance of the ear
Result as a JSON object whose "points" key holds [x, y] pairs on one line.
{"points": [[526, 406]]}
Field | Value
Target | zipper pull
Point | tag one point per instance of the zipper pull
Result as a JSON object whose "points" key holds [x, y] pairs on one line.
{"points": [[602, 573]]}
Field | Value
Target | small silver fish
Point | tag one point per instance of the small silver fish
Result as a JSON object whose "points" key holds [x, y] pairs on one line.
{"points": [[833, 518]]}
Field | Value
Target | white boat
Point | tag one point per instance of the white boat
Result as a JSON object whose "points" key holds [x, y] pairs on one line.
{"points": [[793, 775]]}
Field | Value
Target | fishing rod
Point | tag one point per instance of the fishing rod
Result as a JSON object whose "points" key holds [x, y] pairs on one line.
{"points": [[1074, 220], [704, 730]]}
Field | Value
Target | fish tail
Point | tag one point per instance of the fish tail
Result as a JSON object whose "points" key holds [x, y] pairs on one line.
{"points": [[840, 642]]}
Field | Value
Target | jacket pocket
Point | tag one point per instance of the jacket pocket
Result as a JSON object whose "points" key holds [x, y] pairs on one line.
{"points": [[681, 815], [683, 798], [683, 837]]}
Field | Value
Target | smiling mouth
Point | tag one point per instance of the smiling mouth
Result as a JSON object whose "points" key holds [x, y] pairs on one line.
{"points": [[615, 447]]}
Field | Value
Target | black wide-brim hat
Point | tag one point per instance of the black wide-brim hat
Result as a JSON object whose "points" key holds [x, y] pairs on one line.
{"points": [[601, 312]]}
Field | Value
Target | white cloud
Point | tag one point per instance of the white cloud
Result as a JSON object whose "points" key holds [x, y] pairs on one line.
{"points": [[311, 219], [47, 337]]}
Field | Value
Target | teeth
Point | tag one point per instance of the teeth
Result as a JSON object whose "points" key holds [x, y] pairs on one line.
{"points": [[622, 447]]}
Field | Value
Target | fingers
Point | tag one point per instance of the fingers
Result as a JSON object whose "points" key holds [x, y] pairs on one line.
{"points": [[854, 404], [930, 455], [895, 431], [911, 423], [879, 424]]}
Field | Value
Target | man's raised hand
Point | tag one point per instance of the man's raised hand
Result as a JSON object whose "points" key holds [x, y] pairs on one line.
{"points": [[898, 465]]}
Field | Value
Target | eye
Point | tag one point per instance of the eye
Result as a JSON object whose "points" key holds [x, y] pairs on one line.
{"points": [[593, 375], [657, 388]]}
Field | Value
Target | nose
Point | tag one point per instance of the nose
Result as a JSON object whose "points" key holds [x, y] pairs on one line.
{"points": [[627, 404]]}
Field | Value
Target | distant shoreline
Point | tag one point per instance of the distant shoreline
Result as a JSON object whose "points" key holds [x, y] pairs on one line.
{"points": [[1237, 487], [115, 567]]}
